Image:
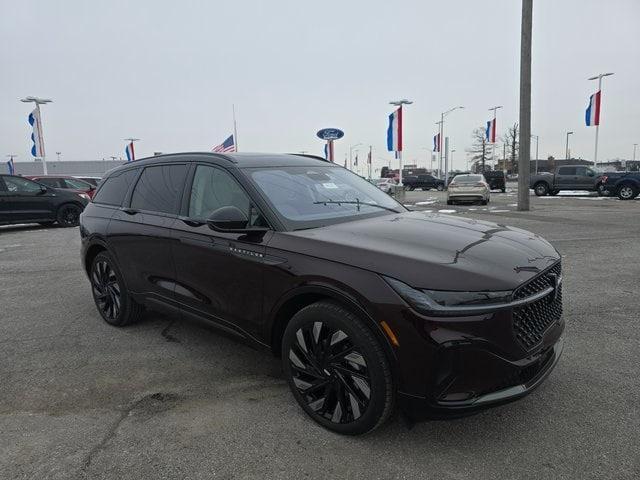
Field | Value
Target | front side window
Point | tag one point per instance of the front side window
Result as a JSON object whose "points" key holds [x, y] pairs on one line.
{"points": [[19, 185], [567, 171], [308, 197], [159, 188], [214, 188], [114, 189]]}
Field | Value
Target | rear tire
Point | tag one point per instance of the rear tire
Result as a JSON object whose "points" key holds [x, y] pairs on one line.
{"points": [[337, 370], [627, 191], [440, 188], [113, 301], [484, 202], [541, 189], [68, 215]]}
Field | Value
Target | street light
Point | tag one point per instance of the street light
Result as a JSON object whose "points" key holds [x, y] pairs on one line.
{"points": [[537, 137], [39, 101], [599, 78], [566, 151], [58, 155], [442, 115], [634, 151], [399, 103]]}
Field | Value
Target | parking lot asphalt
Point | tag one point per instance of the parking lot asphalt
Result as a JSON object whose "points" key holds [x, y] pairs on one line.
{"points": [[165, 399]]}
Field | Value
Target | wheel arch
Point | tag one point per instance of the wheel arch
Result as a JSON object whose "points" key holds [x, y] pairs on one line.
{"points": [[92, 251], [301, 297]]}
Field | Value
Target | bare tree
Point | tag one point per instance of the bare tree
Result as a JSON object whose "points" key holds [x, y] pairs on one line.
{"points": [[480, 150], [511, 140]]}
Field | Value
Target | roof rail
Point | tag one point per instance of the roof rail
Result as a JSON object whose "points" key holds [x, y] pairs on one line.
{"points": [[316, 157]]}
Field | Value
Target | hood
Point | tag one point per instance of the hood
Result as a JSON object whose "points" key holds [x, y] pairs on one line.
{"points": [[432, 251]]}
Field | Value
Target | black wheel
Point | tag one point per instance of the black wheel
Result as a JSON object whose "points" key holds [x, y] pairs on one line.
{"points": [[503, 190], [69, 215], [554, 192], [440, 188], [110, 294], [627, 192], [602, 190], [541, 189], [484, 202], [337, 369]]}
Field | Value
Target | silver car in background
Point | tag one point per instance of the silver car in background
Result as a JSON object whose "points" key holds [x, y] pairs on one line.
{"points": [[468, 188], [384, 184]]}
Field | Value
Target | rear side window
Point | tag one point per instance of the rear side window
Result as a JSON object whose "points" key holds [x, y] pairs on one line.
{"points": [[159, 188], [113, 190], [51, 182], [567, 171]]}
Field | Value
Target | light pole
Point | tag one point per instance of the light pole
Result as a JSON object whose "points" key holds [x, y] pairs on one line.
{"points": [[566, 150], [446, 169], [493, 142], [351, 147], [599, 78], [537, 138], [399, 104], [452, 152], [39, 101], [634, 151], [58, 155]]}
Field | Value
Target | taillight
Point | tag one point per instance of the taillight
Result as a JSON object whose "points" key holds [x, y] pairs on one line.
{"points": [[604, 179], [481, 184]]}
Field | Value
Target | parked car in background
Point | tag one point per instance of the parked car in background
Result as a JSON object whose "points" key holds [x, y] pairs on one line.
{"points": [[384, 184], [626, 185], [65, 182], [293, 254], [92, 180], [496, 180], [468, 188], [566, 177], [423, 182], [25, 201]]}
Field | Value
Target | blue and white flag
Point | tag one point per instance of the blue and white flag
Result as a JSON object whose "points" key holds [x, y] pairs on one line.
{"points": [[130, 152], [11, 167], [37, 150], [394, 131]]}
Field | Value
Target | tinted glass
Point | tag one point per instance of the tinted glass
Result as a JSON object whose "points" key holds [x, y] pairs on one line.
{"points": [[78, 184], [21, 185], [567, 171], [113, 190], [51, 182], [467, 179], [214, 188], [307, 197], [159, 188]]}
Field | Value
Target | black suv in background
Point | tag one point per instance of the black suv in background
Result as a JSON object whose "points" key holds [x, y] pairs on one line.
{"points": [[496, 180], [292, 253], [423, 181], [26, 201]]}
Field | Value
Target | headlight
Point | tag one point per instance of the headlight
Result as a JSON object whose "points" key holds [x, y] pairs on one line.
{"points": [[443, 303], [85, 196]]}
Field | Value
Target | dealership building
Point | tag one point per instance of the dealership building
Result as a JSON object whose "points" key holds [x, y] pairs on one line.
{"points": [[83, 167]]}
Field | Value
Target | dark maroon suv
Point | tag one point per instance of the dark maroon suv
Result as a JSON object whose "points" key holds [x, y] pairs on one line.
{"points": [[369, 305]]}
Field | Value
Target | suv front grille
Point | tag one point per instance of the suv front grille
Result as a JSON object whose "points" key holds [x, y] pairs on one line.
{"points": [[532, 320]]}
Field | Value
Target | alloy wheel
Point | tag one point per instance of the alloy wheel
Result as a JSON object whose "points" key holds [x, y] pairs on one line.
{"points": [[329, 373], [69, 216], [626, 192], [106, 290]]}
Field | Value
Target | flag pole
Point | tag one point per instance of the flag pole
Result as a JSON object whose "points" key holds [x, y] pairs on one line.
{"points": [[235, 126], [595, 153]]}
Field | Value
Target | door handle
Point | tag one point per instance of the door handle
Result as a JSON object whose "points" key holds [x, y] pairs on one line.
{"points": [[130, 211], [192, 223]]}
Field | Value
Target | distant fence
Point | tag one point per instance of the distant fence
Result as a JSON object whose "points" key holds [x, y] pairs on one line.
{"points": [[85, 167]]}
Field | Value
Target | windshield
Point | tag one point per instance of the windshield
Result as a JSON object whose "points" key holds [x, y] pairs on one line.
{"points": [[309, 197], [467, 179]]}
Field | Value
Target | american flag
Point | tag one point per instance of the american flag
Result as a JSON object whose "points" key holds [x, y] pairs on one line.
{"points": [[227, 146]]}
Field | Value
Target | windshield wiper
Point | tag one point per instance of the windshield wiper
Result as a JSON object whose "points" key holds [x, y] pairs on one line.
{"points": [[357, 202]]}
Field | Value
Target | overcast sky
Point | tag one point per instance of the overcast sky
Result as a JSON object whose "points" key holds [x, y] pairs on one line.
{"points": [[169, 71]]}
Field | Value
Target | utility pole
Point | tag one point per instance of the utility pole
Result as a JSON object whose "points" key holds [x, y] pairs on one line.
{"points": [[537, 138], [442, 115], [38, 121], [524, 163], [634, 151]]}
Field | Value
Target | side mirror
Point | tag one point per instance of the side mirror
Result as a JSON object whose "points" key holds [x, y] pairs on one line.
{"points": [[231, 219], [43, 189]]}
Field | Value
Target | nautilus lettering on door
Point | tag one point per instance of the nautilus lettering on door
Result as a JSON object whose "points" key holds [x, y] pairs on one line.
{"points": [[245, 252]]}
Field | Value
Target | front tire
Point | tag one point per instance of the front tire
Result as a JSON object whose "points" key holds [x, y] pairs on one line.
{"points": [[337, 370], [541, 189], [440, 188], [68, 215], [115, 305]]}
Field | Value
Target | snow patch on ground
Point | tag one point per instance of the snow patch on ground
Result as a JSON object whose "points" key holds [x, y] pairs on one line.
{"points": [[447, 211], [499, 211], [428, 202]]}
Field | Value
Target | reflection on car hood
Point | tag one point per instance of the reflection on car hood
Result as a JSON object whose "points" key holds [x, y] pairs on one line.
{"points": [[428, 250]]}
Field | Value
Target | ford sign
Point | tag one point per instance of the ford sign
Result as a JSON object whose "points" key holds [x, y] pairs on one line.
{"points": [[330, 134]]}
